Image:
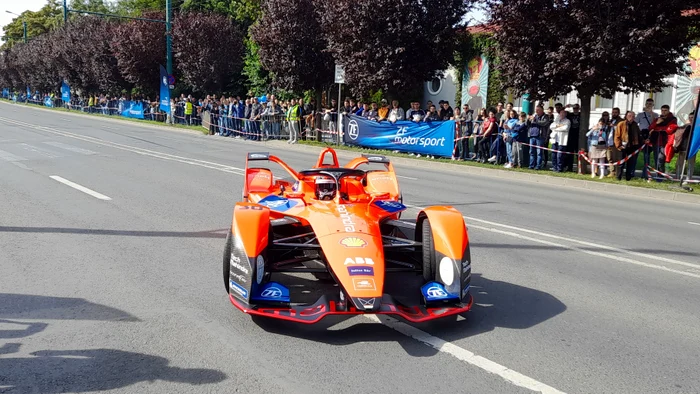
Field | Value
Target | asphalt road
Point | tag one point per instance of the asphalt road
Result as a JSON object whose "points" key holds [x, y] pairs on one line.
{"points": [[118, 287]]}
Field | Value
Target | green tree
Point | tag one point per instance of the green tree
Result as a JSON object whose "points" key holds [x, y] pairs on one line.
{"points": [[258, 78], [245, 12]]}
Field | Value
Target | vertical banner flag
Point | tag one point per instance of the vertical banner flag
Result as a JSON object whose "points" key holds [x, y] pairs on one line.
{"points": [[164, 90], [427, 138], [695, 133], [5, 93], [65, 92], [29, 93], [475, 82]]}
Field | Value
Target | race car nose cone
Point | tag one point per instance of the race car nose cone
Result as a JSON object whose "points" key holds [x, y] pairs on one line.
{"points": [[367, 304]]}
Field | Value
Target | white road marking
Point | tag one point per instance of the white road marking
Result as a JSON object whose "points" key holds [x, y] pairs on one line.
{"points": [[79, 187], [70, 148], [465, 355], [577, 249], [696, 224], [7, 156], [407, 177], [44, 152], [141, 151]]}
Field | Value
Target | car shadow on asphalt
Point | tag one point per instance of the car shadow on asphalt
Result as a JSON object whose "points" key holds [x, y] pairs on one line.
{"points": [[218, 233], [60, 371], [31, 306], [80, 370], [497, 304]]}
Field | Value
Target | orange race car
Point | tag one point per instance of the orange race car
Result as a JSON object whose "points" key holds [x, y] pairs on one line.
{"points": [[329, 241]]}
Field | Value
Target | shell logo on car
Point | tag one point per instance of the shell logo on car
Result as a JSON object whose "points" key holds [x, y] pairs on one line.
{"points": [[353, 242]]}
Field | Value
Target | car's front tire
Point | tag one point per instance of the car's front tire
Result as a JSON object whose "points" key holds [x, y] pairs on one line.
{"points": [[227, 258], [429, 256]]}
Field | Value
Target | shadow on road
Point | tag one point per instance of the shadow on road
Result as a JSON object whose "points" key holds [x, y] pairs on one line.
{"points": [[496, 304], [28, 306], [59, 371], [220, 233]]}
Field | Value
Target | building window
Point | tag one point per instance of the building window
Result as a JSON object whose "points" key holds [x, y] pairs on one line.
{"points": [[435, 86]]}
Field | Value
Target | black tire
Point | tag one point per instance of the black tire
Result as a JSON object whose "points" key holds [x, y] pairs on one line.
{"points": [[227, 258], [429, 262]]}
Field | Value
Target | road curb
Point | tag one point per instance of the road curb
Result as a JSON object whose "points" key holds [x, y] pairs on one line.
{"points": [[520, 176]]}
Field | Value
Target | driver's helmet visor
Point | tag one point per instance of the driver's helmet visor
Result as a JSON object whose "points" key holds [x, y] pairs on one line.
{"points": [[325, 188]]}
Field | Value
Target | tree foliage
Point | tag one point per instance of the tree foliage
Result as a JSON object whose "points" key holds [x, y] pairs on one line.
{"points": [[291, 45], [139, 47], [209, 51], [246, 12], [258, 78], [388, 44]]}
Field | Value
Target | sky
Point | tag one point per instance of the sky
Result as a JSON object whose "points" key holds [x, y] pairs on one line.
{"points": [[17, 8]]}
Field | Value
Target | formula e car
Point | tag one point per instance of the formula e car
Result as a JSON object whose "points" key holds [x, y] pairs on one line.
{"points": [[330, 241]]}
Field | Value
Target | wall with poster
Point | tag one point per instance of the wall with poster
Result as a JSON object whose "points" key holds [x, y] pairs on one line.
{"points": [[475, 83]]}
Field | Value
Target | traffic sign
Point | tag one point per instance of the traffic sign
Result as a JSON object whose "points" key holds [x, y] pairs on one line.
{"points": [[339, 74]]}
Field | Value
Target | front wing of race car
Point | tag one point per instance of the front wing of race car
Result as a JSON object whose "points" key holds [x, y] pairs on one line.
{"points": [[326, 306]]}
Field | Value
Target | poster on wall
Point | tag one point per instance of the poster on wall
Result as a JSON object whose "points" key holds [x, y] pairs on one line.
{"points": [[475, 83], [688, 86]]}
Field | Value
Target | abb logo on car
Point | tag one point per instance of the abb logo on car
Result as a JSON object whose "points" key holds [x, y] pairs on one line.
{"points": [[359, 261]]}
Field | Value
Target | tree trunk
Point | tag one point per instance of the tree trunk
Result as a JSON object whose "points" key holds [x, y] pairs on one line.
{"points": [[584, 126]]}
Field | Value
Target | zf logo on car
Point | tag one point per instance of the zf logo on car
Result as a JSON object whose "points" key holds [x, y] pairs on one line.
{"points": [[272, 292], [436, 292]]}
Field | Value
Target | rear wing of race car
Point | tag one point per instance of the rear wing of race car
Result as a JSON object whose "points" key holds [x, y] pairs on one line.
{"points": [[377, 159], [258, 156]]}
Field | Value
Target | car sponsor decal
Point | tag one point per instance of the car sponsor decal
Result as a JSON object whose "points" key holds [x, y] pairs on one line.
{"points": [[236, 263], [434, 291], [279, 204], [348, 223], [390, 206], [367, 303], [353, 242], [361, 271], [272, 291], [359, 261], [238, 277], [238, 288], [363, 284], [466, 266]]}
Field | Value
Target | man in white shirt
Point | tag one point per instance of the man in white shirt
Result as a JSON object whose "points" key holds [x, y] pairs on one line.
{"points": [[644, 119], [559, 139]]}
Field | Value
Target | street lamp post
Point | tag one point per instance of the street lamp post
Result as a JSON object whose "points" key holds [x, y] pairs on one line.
{"points": [[24, 24]]}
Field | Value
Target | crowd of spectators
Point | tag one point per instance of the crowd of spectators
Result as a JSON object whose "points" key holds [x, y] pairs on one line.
{"points": [[498, 135]]}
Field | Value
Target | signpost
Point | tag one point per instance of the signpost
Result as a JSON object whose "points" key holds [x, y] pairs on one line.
{"points": [[340, 80]]}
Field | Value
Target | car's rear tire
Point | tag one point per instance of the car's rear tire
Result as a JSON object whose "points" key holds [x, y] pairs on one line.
{"points": [[429, 258], [227, 258]]}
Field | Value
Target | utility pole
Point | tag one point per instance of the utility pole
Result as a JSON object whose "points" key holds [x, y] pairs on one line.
{"points": [[168, 37], [24, 24], [65, 12]]}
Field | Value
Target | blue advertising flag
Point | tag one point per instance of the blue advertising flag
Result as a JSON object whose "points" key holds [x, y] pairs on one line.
{"points": [[133, 109], [48, 102], [65, 92], [694, 145], [5, 93], [29, 93], [426, 138], [164, 90]]}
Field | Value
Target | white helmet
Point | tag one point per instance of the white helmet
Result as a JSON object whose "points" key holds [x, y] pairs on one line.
{"points": [[325, 188]]}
